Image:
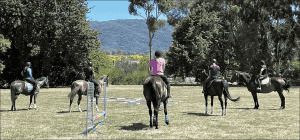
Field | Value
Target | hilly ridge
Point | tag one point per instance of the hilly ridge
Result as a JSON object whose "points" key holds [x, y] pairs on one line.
{"points": [[131, 35]]}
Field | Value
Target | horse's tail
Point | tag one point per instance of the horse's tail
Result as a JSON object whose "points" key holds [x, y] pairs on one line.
{"points": [[287, 85], [73, 92], [226, 93]]}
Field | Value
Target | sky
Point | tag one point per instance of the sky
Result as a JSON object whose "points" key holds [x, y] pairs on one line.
{"points": [[106, 10]]}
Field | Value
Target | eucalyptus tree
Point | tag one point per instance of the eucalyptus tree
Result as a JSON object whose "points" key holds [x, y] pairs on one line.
{"points": [[153, 9]]}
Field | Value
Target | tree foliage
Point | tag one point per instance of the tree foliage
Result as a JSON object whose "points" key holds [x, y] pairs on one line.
{"points": [[53, 35]]}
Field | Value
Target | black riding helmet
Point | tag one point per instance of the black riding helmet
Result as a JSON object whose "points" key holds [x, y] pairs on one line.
{"points": [[214, 60], [90, 64], [158, 53]]}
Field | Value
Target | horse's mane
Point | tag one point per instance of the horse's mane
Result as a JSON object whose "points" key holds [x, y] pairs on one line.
{"points": [[248, 76]]}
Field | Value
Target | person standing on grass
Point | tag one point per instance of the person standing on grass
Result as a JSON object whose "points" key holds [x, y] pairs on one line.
{"points": [[158, 67]]}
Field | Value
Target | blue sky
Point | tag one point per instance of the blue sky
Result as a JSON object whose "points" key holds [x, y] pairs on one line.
{"points": [[105, 10]]}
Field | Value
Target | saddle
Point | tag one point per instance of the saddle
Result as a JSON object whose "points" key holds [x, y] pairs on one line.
{"points": [[218, 80]]}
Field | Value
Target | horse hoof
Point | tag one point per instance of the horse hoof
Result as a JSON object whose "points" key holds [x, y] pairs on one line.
{"points": [[281, 108], [156, 127], [167, 123]]}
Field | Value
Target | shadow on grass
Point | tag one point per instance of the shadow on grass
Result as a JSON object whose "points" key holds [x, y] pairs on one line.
{"points": [[245, 108], [16, 110], [135, 127], [198, 114], [71, 112]]}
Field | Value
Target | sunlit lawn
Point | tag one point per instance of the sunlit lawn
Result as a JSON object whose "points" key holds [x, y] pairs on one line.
{"points": [[187, 118]]}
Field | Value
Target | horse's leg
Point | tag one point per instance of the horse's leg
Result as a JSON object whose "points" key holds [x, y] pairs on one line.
{"points": [[212, 104], [205, 97], [156, 105], [282, 98], [13, 97], [254, 95], [34, 105], [78, 102], [70, 105], [97, 97], [150, 113], [166, 112], [221, 101], [30, 101], [225, 97]]}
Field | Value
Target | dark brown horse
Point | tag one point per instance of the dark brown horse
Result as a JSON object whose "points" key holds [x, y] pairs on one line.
{"points": [[273, 84], [217, 88], [21, 87], [154, 90], [80, 87]]}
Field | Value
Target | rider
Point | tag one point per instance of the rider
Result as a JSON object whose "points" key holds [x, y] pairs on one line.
{"points": [[89, 74], [27, 76], [262, 74], [158, 67], [214, 72]]}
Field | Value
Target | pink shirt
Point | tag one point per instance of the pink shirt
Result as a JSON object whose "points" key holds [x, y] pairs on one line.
{"points": [[157, 66]]}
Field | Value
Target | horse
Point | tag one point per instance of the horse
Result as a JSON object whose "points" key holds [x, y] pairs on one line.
{"points": [[154, 90], [272, 84], [80, 87], [22, 87], [217, 88]]}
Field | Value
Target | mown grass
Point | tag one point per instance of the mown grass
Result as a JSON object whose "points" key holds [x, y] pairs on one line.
{"points": [[187, 118]]}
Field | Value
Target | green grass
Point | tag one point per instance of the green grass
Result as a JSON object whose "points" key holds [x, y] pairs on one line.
{"points": [[187, 118]]}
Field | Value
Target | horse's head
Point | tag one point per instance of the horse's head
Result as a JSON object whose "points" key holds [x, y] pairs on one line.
{"points": [[234, 77], [44, 80], [104, 79], [203, 75]]}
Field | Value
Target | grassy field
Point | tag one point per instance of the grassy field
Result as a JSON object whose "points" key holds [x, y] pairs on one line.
{"points": [[187, 118]]}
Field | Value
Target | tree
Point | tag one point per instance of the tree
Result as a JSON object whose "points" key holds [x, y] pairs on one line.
{"points": [[193, 37], [53, 35], [150, 6]]}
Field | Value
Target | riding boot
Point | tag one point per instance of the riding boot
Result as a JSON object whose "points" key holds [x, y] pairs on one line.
{"points": [[204, 88], [168, 91]]}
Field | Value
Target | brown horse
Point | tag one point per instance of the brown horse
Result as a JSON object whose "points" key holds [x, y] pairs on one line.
{"points": [[273, 84], [80, 87], [22, 87], [218, 88], [154, 90]]}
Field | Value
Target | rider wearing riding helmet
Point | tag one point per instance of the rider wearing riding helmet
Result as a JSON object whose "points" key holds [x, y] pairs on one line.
{"points": [[262, 74], [214, 72], [158, 67], [27, 76], [89, 74]]}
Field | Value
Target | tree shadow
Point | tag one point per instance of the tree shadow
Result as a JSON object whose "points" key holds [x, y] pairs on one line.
{"points": [[16, 110], [198, 114], [71, 112], [135, 127]]}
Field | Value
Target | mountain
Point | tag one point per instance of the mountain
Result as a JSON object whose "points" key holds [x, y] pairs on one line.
{"points": [[131, 35]]}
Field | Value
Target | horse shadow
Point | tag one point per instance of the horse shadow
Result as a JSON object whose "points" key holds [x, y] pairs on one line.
{"points": [[135, 127], [61, 112], [245, 108], [16, 110], [198, 114]]}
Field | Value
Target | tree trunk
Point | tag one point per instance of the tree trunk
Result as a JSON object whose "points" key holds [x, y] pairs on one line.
{"points": [[150, 45]]}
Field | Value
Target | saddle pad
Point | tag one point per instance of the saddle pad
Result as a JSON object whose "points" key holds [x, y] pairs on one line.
{"points": [[29, 86], [264, 81]]}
